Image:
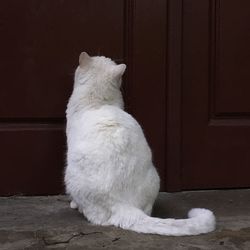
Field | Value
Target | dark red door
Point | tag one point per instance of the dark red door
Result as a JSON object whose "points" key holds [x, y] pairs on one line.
{"points": [[214, 125], [216, 94], [187, 83]]}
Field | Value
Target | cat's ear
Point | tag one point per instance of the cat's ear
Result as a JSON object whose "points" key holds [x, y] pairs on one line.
{"points": [[84, 59], [119, 70]]}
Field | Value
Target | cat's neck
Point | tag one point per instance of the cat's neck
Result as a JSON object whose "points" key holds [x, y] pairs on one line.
{"points": [[82, 100]]}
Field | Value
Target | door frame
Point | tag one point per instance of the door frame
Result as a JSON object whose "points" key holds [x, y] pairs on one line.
{"points": [[174, 96]]}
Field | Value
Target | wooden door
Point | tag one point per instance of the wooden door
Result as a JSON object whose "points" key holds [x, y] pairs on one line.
{"points": [[214, 95], [39, 47], [187, 83]]}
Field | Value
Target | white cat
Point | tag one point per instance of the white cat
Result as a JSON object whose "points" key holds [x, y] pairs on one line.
{"points": [[110, 176]]}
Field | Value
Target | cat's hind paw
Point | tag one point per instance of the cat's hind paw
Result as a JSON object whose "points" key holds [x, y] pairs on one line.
{"points": [[73, 205]]}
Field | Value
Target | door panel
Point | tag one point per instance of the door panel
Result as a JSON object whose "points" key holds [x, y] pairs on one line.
{"points": [[32, 159], [232, 72], [39, 50], [40, 47], [215, 104]]}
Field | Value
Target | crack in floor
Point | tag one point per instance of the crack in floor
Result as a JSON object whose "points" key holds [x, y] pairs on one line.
{"points": [[49, 242], [116, 239]]}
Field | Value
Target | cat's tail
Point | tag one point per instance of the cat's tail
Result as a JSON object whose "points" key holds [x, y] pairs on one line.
{"points": [[199, 221]]}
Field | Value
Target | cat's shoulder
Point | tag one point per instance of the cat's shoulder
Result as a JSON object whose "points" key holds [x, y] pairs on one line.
{"points": [[108, 113]]}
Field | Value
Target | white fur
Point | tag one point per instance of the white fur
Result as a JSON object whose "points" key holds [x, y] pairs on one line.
{"points": [[109, 175]]}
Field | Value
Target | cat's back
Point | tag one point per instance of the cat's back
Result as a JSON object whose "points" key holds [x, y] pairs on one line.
{"points": [[104, 125], [108, 133]]}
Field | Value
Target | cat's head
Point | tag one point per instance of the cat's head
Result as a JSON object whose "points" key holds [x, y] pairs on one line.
{"points": [[98, 70]]}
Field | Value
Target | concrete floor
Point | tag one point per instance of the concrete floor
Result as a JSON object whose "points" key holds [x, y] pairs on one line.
{"points": [[49, 223]]}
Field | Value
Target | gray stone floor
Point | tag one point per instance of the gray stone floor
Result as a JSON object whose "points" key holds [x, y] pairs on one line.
{"points": [[49, 223]]}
